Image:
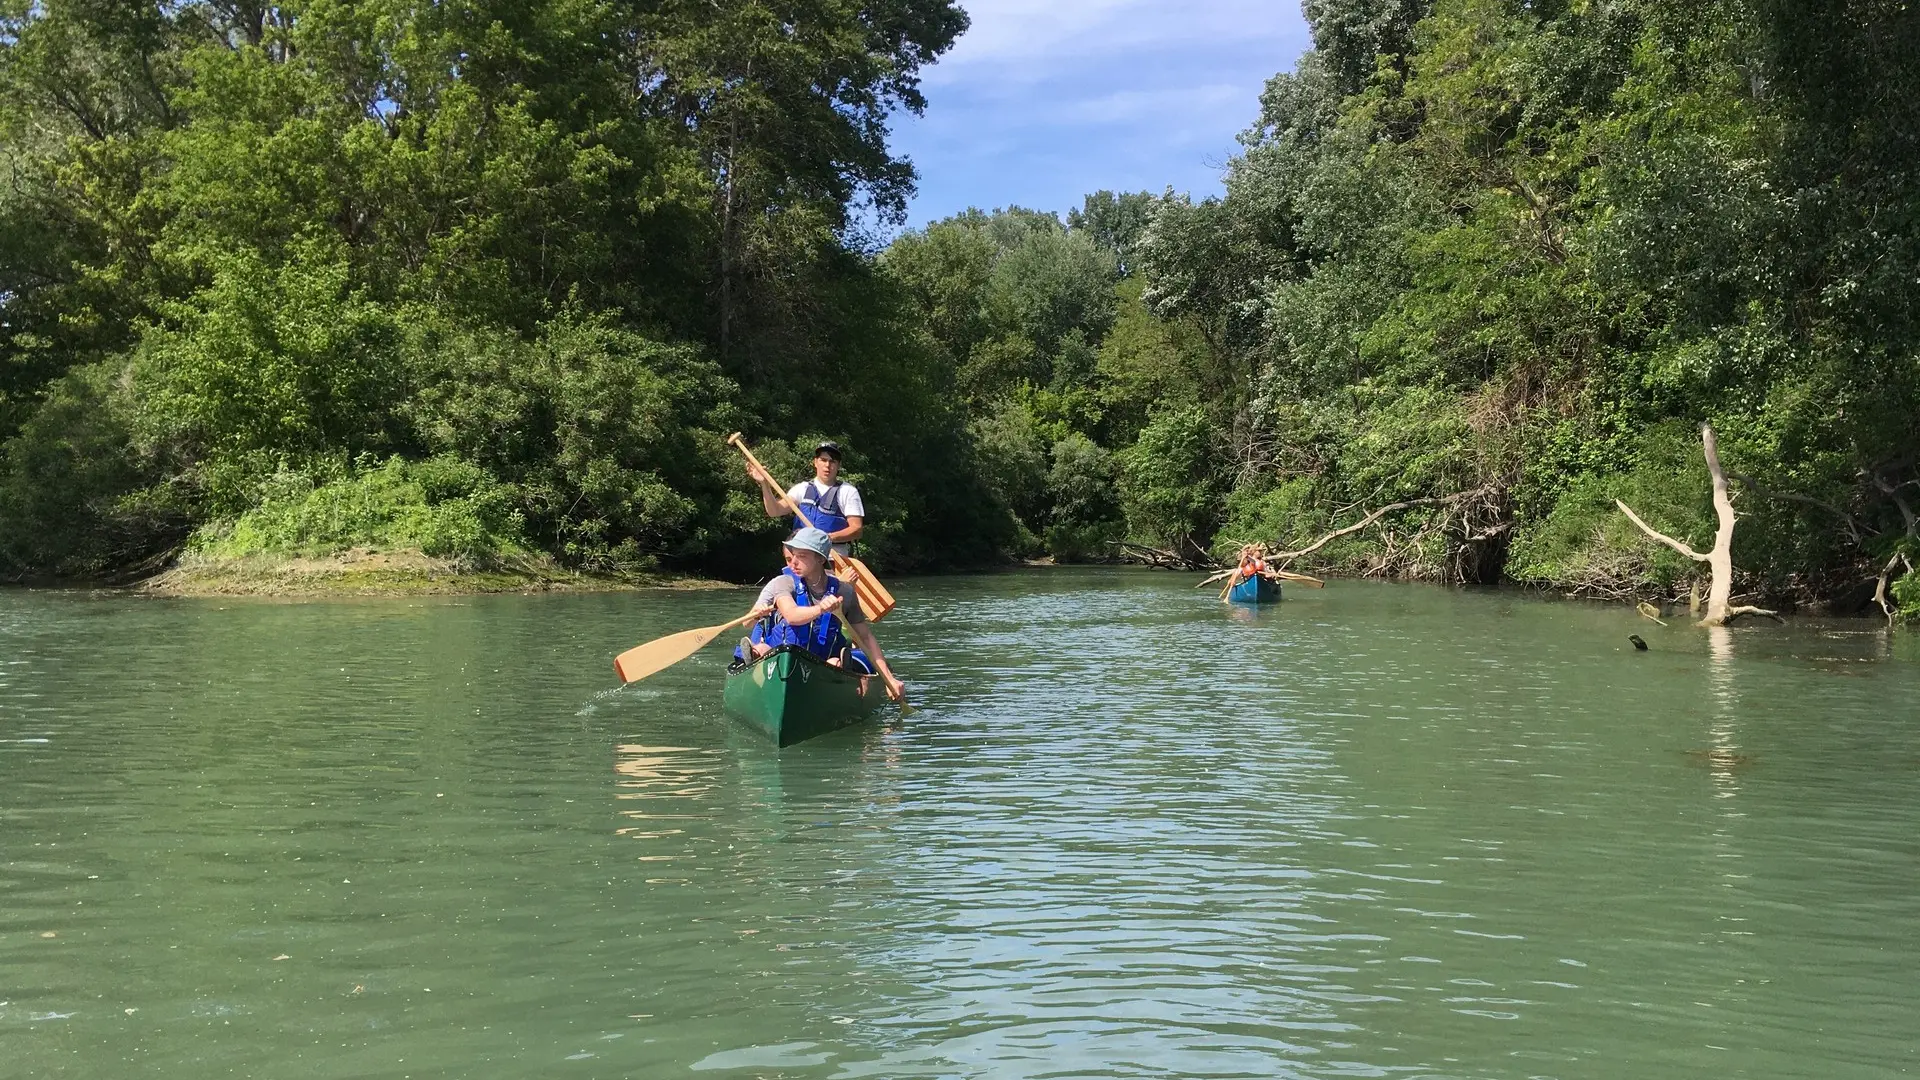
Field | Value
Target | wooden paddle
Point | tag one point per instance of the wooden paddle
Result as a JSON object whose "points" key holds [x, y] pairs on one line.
{"points": [[1304, 579], [875, 600], [643, 660]]}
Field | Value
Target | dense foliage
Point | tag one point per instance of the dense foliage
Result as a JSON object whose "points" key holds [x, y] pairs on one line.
{"points": [[488, 278], [553, 249], [1496, 260]]}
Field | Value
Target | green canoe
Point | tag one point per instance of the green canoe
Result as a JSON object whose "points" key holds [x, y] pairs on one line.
{"points": [[791, 695]]}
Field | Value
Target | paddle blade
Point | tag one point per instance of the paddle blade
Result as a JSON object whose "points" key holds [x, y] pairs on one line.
{"points": [[643, 660], [875, 600]]}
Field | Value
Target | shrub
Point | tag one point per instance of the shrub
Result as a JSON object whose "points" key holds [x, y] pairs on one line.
{"points": [[1586, 542], [71, 499], [1087, 517], [444, 507], [1166, 478]]}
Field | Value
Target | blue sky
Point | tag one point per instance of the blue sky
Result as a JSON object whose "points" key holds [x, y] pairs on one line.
{"points": [[1043, 101]]}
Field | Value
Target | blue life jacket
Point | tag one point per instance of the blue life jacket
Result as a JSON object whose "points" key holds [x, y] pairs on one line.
{"points": [[822, 637], [822, 506]]}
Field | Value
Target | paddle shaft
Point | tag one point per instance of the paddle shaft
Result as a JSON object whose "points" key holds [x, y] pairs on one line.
{"points": [[839, 560], [691, 641], [875, 600], [741, 445]]}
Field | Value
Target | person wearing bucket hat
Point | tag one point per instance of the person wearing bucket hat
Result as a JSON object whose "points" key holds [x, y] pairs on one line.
{"points": [[833, 505], [808, 607]]}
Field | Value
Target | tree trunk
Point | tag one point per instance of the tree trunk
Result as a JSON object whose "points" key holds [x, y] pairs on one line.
{"points": [[1720, 609], [1720, 559]]}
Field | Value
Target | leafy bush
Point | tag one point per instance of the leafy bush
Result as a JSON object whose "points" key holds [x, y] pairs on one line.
{"points": [[1284, 516], [1087, 516], [70, 485], [1167, 478], [1013, 460], [443, 506], [268, 366], [612, 439], [1906, 596], [1585, 541]]}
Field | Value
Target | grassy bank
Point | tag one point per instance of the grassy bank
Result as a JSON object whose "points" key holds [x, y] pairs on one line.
{"points": [[361, 572]]}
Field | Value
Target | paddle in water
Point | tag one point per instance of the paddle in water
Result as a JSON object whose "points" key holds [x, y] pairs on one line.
{"points": [[643, 660]]}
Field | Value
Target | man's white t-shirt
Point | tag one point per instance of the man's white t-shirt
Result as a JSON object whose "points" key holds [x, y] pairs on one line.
{"points": [[850, 504]]}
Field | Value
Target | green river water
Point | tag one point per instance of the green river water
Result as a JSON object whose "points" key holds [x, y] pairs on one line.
{"points": [[1381, 830]]}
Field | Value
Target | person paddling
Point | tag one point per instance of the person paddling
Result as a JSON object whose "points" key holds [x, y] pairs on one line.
{"points": [[1253, 563], [810, 608], [832, 504]]}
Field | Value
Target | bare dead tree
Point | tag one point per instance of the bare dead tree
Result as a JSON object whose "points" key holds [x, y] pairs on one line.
{"points": [[1720, 610]]}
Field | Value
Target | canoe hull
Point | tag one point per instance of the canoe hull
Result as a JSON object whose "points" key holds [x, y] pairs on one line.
{"points": [[788, 695], [1256, 590]]}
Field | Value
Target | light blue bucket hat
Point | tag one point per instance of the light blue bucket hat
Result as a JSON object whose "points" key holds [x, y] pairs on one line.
{"points": [[810, 539]]}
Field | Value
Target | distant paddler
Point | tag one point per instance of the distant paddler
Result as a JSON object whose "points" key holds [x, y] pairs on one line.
{"points": [[808, 607], [833, 505], [1253, 564]]}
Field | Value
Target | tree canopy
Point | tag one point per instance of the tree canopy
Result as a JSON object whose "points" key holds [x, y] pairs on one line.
{"points": [[503, 275]]}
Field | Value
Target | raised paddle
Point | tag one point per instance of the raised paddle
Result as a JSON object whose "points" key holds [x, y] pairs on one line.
{"points": [[875, 600], [1304, 579], [643, 660]]}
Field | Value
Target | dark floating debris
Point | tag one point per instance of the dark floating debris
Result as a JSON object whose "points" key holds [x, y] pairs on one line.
{"points": [[1720, 757], [1639, 646]]}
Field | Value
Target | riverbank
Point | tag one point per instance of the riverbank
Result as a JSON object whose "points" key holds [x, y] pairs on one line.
{"points": [[360, 572]]}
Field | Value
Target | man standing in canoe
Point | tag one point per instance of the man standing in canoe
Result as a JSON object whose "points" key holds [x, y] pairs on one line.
{"points": [[832, 504], [809, 607]]}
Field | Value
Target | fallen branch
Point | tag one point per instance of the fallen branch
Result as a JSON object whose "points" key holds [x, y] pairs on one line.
{"points": [[1166, 560], [1305, 579], [1846, 519], [1366, 521]]}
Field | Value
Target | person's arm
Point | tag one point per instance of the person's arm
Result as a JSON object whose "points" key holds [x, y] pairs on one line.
{"points": [[769, 495], [846, 535], [863, 633], [796, 615]]}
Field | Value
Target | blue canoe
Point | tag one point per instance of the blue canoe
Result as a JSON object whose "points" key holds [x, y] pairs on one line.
{"points": [[1256, 590]]}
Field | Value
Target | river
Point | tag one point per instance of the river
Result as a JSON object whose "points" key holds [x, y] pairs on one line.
{"points": [[1378, 830]]}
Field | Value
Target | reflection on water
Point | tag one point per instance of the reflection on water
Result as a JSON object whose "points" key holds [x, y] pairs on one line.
{"points": [[1130, 832]]}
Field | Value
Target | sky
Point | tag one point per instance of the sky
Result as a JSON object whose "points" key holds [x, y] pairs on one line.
{"points": [[1044, 101]]}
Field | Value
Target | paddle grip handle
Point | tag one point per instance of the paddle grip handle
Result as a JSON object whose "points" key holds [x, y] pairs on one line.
{"points": [[740, 445]]}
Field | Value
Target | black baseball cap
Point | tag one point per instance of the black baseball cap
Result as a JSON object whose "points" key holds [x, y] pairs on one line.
{"points": [[831, 449]]}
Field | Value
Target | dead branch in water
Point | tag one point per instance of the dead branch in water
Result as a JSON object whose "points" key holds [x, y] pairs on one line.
{"points": [[1162, 558], [1720, 611], [1880, 586]]}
